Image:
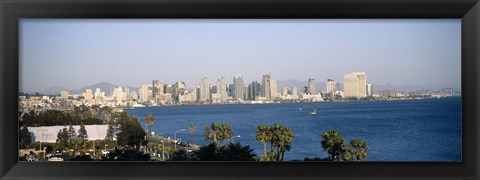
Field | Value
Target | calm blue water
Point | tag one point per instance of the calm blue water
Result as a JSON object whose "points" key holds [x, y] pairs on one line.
{"points": [[413, 130]]}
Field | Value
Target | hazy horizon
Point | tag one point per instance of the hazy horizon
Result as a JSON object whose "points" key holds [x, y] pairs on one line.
{"points": [[76, 53]]}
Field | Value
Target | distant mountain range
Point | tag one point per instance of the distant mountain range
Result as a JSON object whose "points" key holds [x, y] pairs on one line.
{"points": [[104, 87], [319, 86]]}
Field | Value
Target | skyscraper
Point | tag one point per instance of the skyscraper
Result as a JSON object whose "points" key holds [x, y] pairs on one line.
{"points": [[294, 91], [284, 91], [362, 83], [157, 90], [354, 85], [311, 85], [273, 88], [143, 93], [88, 95], [254, 90], [238, 87], [331, 86], [266, 92], [369, 90], [222, 89], [204, 90]]}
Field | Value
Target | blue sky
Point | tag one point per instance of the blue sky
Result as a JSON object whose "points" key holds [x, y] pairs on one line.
{"points": [[77, 53]]}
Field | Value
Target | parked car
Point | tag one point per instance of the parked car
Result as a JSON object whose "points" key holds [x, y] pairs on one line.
{"points": [[55, 159]]}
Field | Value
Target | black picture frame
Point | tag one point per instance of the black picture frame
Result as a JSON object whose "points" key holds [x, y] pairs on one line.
{"points": [[466, 10]]}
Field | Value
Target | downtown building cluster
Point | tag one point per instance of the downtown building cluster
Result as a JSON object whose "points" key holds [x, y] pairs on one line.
{"points": [[208, 92]]}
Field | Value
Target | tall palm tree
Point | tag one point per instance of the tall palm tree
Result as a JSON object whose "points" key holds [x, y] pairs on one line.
{"points": [[282, 138], [264, 135], [191, 129], [211, 132], [359, 148], [225, 133], [149, 121], [332, 142]]}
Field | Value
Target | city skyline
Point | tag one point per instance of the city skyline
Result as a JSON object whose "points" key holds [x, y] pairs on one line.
{"points": [[76, 53]]}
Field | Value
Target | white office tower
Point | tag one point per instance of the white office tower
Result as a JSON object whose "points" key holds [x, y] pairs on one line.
{"points": [[331, 86], [273, 88], [355, 85], [369, 90], [222, 89]]}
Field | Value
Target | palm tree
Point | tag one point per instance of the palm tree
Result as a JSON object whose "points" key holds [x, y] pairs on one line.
{"points": [[282, 137], [211, 132], [191, 129], [225, 133], [77, 144], [149, 121], [332, 142], [264, 135], [359, 148]]}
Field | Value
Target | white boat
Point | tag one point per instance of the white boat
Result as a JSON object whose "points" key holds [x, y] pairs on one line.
{"points": [[314, 109], [138, 105]]}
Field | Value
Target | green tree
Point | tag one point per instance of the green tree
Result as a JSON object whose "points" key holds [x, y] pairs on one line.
{"points": [[191, 129], [237, 152], [63, 138], [282, 138], [131, 132], [149, 121], [230, 152], [211, 132], [225, 132], [359, 148], [71, 132], [332, 143], [82, 132], [210, 152], [264, 135], [77, 144], [24, 137], [180, 155], [110, 132]]}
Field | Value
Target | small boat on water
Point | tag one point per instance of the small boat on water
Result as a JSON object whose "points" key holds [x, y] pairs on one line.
{"points": [[137, 105], [314, 109], [300, 109]]}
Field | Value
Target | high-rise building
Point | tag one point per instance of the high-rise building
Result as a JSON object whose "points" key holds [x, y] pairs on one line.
{"points": [[362, 83], [254, 90], [311, 86], [180, 86], [369, 90], [99, 94], [238, 87], [222, 89], [118, 94], [294, 91], [284, 91], [88, 95], [204, 90], [64, 94], [354, 85], [157, 90], [331, 86], [266, 90], [273, 88], [143, 93]]}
